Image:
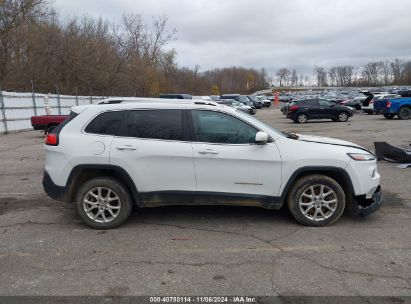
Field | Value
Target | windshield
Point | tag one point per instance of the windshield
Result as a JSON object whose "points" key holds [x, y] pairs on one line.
{"points": [[254, 120], [253, 98]]}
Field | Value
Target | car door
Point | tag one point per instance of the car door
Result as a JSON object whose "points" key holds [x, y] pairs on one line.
{"points": [[226, 159], [326, 109], [312, 108], [153, 146]]}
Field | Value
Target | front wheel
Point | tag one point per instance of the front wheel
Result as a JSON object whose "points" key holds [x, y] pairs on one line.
{"points": [[404, 113], [316, 200], [343, 117], [103, 203], [302, 118]]}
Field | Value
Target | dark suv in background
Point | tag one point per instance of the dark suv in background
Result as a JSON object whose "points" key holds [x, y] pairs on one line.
{"points": [[303, 110], [240, 98]]}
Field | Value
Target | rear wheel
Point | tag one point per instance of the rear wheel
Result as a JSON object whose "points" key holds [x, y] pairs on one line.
{"points": [[389, 116], [316, 200], [302, 118], [404, 113], [343, 116], [103, 203]]}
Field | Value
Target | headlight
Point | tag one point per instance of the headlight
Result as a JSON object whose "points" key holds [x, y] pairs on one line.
{"points": [[361, 156]]}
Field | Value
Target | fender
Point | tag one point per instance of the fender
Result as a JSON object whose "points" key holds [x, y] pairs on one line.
{"points": [[120, 173], [348, 186]]}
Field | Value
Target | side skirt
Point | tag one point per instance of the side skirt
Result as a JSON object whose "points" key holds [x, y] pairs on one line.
{"points": [[169, 198]]}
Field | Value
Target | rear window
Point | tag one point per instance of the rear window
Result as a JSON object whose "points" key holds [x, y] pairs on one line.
{"points": [[58, 129], [156, 124], [106, 123]]}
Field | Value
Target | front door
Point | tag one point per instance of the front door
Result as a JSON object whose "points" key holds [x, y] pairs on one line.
{"points": [[228, 162]]}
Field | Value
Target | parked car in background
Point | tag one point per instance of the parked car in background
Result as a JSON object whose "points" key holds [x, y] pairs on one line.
{"points": [[368, 102], [203, 98], [240, 98], [106, 159], [355, 103], [47, 123], [404, 93], [237, 105], [264, 99], [390, 107], [305, 110], [258, 104], [176, 96]]}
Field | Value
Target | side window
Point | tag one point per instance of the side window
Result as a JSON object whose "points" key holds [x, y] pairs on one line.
{"points": [[215, 127], [106, 123], [156, 124], [324, 103], [311, 102]]}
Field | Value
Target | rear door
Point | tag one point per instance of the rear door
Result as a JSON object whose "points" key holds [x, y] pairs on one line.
{"points": [[227, 162], [153, 146]]}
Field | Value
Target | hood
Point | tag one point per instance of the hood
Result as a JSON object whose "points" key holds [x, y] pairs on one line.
{"points": [[328, 140]]}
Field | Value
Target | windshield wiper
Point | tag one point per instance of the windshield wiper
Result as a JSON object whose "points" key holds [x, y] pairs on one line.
{"points": [[291, 135]]}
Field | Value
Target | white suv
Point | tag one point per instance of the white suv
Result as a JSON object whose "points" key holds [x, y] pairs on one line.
{"points": [[105, 158]]}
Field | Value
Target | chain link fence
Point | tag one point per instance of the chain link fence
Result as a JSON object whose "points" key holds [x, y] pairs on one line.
{"points": [[16, 109]]}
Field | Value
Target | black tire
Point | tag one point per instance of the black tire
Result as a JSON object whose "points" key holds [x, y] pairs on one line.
{"points": [[302, 118], [125, 203], [302, 185], [343, 116], [404, 113], [389, 116], [50, 128]]}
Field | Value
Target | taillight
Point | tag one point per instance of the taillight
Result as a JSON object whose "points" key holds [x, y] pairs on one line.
{"points": [[388, 104], [372, 101], [293, 108], [51, 139]]}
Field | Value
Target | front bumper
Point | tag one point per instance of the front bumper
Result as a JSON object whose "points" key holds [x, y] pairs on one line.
{"points": [[364, 207]]}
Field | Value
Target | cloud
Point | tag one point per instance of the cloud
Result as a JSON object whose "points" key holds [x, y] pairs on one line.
{"points": [[272, 34]]}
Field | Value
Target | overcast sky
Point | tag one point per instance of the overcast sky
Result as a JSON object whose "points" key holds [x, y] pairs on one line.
{"points": [[271, 33]]}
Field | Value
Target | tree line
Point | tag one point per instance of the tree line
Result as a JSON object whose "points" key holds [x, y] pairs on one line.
{"points": [[42, 52], [374, 73]]}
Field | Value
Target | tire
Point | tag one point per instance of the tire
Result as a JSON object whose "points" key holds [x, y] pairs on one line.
{"points": [[121, 207], [389, 116], [334, 119], [306, 210], [343, 116], [49, 128], [404, 113], [302, 118]]}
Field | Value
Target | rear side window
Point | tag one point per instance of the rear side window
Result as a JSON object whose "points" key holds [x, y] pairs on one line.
{"points": [[156, 124], [106, 123]]}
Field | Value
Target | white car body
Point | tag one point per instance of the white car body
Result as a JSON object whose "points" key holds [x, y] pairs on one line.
{"points": [[164, 166]]}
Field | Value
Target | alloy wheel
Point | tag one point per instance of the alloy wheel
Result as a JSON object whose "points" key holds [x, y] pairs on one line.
{"points": [[101, 204], [318, 202]]}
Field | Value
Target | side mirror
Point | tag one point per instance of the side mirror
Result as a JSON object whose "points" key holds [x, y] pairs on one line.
{"points": [[261, 138]]}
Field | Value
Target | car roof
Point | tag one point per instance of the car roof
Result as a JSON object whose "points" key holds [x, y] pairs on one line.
{"points": [[151, 103]]}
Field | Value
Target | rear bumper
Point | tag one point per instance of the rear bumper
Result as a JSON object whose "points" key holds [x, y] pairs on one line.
{"points": [[365, 207], [58, 193]]}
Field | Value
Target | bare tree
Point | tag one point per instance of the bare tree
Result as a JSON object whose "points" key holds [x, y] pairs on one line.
{"points": [[283, 76], [321, 76]]}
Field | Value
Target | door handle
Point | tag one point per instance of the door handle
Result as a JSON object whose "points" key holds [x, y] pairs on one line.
{"points": [[126, 147], [208, 151]]}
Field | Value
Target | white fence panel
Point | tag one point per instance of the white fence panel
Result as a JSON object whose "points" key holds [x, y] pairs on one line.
{"points": [[16, 109]]}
